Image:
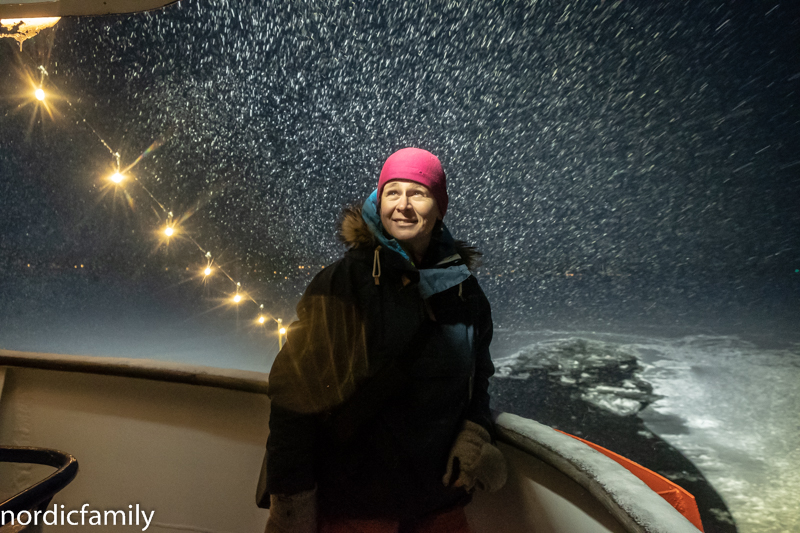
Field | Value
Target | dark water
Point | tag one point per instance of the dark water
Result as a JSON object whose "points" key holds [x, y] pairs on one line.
{"points": [[714, 413]]}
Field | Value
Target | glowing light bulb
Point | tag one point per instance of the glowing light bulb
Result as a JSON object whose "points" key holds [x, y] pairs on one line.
{"points": [[39, 94], [261, 319], [237, 298], [207, 271], [283, 331], [116, 177]]}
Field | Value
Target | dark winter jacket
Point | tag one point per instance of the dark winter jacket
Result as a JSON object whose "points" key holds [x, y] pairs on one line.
{"points": [[369, 392]]}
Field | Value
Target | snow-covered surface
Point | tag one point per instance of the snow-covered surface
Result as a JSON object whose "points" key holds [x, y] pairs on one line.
{"points": [[637, 507], [145, 368], [729, 405], [733, 408]]}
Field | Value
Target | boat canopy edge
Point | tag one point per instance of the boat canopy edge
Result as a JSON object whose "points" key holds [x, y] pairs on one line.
{"points": [[19, 9], [637, 508], [224, 378]]}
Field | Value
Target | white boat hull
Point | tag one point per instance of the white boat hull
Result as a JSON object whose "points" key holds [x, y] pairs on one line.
{"points": [[192, 453]]}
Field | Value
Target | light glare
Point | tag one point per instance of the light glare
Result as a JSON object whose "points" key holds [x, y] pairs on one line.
{"points": [[237, 299], [21, 29], [39, 94], [168, 231], [117, 177], [283, 331]]}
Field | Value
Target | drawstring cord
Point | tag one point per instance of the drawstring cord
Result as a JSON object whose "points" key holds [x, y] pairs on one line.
{"points": [[376, 266], [376, 274]]}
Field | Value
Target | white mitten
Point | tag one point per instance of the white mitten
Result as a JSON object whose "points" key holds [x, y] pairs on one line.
{"points": [[480, 464], [294, 513]]}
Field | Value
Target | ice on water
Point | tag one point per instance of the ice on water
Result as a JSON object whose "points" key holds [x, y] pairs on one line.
{"points": [[728, 405], [588, 364]]}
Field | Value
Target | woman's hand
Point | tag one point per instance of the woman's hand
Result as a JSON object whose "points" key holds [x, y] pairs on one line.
{"points": [[474, 461], [294, 513]]}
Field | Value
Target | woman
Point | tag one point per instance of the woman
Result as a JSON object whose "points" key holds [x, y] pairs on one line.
{"points": [[380, 412]]}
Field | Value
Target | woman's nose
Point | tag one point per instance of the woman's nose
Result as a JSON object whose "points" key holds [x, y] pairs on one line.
{"points": [[403, 203]]}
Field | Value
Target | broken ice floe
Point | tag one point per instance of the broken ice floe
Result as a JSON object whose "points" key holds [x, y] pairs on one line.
{"points": [[605, 374]]}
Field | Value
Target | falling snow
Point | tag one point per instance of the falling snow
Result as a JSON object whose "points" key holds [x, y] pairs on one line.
{"points": [[625, 164], [615, 140]]}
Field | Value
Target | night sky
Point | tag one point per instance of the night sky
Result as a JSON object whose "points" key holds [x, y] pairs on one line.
{"points": [[611, 159]]}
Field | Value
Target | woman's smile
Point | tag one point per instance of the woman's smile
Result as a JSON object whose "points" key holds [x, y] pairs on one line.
{"points": [[409, 214]]}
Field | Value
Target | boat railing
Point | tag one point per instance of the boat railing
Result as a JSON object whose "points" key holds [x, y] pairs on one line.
{"points": [[629, 500], [626, 497]]}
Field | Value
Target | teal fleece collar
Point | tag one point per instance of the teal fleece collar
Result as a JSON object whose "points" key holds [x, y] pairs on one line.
{"points": [[431, 280]]}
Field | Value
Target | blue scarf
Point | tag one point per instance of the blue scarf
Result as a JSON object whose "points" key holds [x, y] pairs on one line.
{"points": [[431, 280]]}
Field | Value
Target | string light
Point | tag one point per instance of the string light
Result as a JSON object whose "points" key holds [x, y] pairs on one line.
{"points": [[281, 333], [169, 229], [172, 227], [238, 297], [38, 96], [208, 270]]}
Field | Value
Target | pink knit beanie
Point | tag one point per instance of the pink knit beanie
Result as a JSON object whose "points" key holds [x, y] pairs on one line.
{"points": [[420, 166]]}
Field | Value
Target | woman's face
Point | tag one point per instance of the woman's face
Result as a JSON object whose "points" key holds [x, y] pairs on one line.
{"points": [[408, 213]]}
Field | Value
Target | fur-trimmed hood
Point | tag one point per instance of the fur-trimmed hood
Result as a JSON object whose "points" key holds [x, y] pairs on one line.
{"points": [[354, 232]]}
